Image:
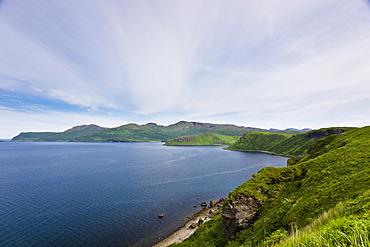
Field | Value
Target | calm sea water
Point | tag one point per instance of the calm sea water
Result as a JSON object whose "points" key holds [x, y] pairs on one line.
{"points": [[109, 194]]}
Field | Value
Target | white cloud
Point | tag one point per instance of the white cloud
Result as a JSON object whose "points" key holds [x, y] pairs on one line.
{"points": [[267, 63], [13, 122]]}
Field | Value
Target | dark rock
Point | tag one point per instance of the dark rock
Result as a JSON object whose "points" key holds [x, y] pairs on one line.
{"points": [[212, 203], [200, 222], [193, 226], [239, 214], [203, 204], [160, 215], [184, 138], [221, 200], [325, 132]]}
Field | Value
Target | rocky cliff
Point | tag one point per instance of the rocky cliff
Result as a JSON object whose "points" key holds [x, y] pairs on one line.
{"points": [[239, 214]]}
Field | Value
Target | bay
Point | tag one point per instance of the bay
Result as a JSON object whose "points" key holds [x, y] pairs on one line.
{"points": [[109, 194]]}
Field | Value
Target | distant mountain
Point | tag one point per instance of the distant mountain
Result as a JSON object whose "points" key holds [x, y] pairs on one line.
{"points": [[290, 130], [134, 132], [68, 135]]}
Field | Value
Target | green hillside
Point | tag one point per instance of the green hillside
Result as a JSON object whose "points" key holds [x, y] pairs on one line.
{"points": [[259, 141], [135, 132], [154, 132], [202, 139], [284, 144], [322, 200], [67, 135]]}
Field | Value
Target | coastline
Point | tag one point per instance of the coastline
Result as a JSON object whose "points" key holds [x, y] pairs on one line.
{"points": [[191, 225], [265, 152], [202, 215]]}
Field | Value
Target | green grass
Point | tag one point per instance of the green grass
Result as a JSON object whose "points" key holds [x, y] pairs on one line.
{"points": [[346, 224], [209, 234], [321, 200], [284, 144], [68, 135], [259, 141], [203, 139]]}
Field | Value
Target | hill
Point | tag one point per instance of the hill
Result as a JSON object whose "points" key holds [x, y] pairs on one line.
{"points": [[284, 144], [322, 200], [202, 139], [68, 135], [135, 132], [259, 141]]}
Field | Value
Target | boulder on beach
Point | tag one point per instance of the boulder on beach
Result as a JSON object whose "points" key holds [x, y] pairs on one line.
{"points": [[203, 204], [200, 222], [193, 225]]}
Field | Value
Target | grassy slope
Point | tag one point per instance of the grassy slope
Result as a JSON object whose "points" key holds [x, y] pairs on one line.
{"points": [[295, 197], [33, 136], [203, 139], [283, 144], [259, 141], [67, 135]]}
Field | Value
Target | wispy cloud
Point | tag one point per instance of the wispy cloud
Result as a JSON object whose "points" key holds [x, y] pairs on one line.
{"points": [[269, 64]]}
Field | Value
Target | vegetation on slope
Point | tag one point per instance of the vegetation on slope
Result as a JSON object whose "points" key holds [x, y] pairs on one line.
{"points": [[202, 139], [67, 135], [284, 144], [135, 132], [153, 132], [323, 200], [259, 141]]}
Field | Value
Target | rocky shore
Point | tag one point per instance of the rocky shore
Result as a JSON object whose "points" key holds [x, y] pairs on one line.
{"points": [[196, 220]]}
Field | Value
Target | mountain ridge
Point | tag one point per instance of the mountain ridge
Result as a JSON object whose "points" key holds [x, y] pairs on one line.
{"points": [[132, 132]]}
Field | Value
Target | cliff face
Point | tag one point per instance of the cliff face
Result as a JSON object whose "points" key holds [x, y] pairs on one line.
{"points": [[283, 144], [183, 139], [325, 132], [239, 214]]}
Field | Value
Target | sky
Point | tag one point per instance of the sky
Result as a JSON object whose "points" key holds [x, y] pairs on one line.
{"points": [[268, 64]]}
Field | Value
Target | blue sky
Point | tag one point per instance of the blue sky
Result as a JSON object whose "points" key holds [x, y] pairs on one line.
{"points": [[269, 64]]}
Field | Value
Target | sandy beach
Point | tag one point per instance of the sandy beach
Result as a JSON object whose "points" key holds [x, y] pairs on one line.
{"points": [[190, 226]]}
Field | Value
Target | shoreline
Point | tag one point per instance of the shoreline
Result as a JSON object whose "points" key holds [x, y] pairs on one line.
{"points": [[205, 214], [191, 225], [264, 152]]}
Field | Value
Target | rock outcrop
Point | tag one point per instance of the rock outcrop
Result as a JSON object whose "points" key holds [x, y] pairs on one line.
{"points": [[184, 138], [239, 214]]}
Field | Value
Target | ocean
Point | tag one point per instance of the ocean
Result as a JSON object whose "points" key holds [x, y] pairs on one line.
{"points": [[110, 194]]}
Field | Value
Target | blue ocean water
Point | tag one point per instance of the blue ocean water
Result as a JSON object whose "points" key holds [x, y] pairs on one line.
{"points": [[109, 194]]}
